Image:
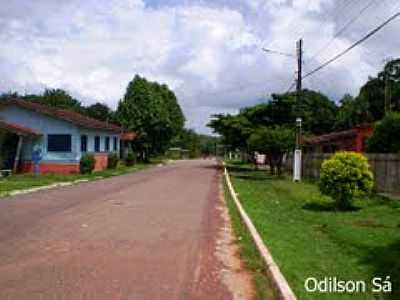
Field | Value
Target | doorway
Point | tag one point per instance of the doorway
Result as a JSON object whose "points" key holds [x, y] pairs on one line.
{"points": [[8, 149]]}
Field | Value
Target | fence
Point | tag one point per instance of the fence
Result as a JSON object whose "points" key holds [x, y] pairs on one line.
{"points": [[386, 169]]}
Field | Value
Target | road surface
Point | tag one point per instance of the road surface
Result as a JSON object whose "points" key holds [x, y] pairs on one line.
{"points": [[147, 235]]}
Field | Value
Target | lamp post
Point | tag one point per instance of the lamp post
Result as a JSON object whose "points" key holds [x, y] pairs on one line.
{"points": [[297, 152]]}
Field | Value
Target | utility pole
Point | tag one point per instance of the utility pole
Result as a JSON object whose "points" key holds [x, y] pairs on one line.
{"points": [[299, 46], [388, 96], [298, 153]]}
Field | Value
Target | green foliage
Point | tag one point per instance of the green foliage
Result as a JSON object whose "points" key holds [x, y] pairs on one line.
{"points": [[87, 163], [100, 111], [188, 139], [296, 221], [344, 176], [317, 111], [274, 142], [235, 130], [112, 161], [2, 138], [130, 159], [153, 112], [197, 144], [386, 136], [57, 98], [369, 105]]}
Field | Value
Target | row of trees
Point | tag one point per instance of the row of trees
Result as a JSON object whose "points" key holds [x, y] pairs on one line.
{"points": [[269, 127]]}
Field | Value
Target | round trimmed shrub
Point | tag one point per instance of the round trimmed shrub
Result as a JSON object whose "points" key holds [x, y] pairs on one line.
{"points": [[344, 176], [112, 161], [130, 159], [87, 163]]}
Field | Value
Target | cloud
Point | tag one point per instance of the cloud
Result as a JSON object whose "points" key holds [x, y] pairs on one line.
{"points": [[208, 52]]}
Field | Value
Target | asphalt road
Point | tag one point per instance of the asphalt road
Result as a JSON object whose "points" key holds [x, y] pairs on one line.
{"points": [[147, 235]]}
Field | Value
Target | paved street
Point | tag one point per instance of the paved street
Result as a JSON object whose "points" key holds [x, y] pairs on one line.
{"points": [[148, 235]]}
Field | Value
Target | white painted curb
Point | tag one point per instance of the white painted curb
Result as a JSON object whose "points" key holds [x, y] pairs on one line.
{"points": [[278, 280]]}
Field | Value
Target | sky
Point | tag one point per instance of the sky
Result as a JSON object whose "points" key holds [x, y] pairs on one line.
{"points": [[208, 52]]}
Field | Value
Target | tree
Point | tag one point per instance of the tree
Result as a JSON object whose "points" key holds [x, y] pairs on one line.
{"points": [[386, 136], [369, 105], [235, 130], [57, 98], [152, 111], [274, 142], [188, 139], [100, 111], [317, 110]]}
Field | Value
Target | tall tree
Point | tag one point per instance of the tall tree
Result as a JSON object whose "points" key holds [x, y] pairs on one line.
{"points": [[147, 109], [369, 106]]}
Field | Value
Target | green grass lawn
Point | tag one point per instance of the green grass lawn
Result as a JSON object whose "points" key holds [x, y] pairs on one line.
{"points": [[24, 181], [308, 238]]}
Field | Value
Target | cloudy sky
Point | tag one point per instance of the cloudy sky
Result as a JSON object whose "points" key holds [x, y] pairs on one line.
{"points": [[209, 52]]}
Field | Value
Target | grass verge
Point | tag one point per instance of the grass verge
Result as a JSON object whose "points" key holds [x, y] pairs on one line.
{"points": [[248, 252], [26, 181], [308, 238]]}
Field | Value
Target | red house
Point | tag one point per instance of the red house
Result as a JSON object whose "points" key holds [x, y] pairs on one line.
{"points": [[348, 140]]}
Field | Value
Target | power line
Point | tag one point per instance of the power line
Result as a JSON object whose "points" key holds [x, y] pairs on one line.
{"points": [[344, 28], [353, 46]]}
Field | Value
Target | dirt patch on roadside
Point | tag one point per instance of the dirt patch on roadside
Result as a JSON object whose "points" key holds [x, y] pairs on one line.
{"points": [[233, 273]]}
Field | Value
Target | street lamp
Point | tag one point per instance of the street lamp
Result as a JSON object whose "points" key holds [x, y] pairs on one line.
{"points": [[297, 152]]}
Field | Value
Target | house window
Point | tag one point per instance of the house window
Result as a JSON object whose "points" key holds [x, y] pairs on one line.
{"points": [[83, 143], [107, 146], [59, 143], [96, 144], [115, 143]]}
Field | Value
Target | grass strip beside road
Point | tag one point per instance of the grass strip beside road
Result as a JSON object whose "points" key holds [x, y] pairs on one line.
{"points": [[26, 181], [248, 252], [308, 238]]}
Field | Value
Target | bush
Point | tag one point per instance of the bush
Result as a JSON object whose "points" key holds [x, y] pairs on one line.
{"points": [[344, 176], [386, 136], [130, 159], [87, 163], [112, 161]]}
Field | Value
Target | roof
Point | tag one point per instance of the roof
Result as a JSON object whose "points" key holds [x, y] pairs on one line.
{"points": [[14, 128], [128, 136], [337, 135], [63, 114]]}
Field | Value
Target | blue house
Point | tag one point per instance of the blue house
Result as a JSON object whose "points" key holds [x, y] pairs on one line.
{"points": [[58, 137]]}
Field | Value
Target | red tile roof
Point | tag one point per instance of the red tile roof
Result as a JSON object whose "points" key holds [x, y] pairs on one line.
{"points": [[336, 135], [14, 128], [63, 114]]}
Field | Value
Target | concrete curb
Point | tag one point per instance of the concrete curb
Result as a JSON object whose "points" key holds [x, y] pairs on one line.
{"points": [[59, 184], [278, 280], [42, 188]]}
